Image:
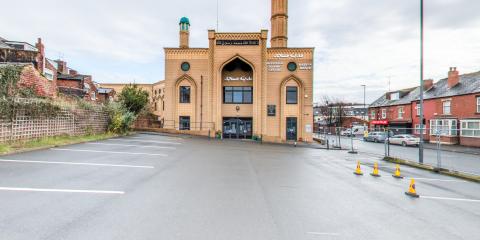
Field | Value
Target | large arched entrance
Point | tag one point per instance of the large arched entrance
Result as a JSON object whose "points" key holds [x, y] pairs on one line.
{"points": [[237, 97]]}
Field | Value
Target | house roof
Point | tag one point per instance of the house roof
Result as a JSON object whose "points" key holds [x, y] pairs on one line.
{"points": [[410, 94], [71, 77], [469, 83]]}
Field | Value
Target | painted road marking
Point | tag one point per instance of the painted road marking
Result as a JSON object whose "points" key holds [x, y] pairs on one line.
{"points": [[127, 145], [167, 138], [59, 190], [96, 151], [324, 233], [144, 141], [75, 163], [438, 180], [451, 199]]}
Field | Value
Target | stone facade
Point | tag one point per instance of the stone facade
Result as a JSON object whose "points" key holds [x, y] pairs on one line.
{"points": [[242, 61]]}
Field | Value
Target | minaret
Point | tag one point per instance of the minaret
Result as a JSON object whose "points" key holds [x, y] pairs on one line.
{"points": [[184, 32], [279, 24]]}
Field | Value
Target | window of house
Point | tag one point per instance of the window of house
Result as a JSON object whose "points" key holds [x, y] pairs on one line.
{"points": [[155, 106], [238, 95], [419, 109], [163, 105], [184, 123], [184, 94], [292, 95], [373, 115], [478, 104], [93, 96], [384, 113], [401, 112], [443, 127], [395, 96], [470, 128], [447, 107], [418, 128]]}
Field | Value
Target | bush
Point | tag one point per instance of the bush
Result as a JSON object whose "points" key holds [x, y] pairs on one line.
{"points": [[134, 99], [120, 118]]}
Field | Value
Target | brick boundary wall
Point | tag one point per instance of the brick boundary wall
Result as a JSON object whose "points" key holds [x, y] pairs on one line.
{"points": [[67, 122]]}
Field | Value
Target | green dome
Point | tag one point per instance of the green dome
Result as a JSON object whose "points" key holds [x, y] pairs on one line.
{"points": [[185, 20]]}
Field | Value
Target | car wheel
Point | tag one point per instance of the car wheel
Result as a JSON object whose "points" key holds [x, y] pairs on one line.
{"points": [[404, 144]]}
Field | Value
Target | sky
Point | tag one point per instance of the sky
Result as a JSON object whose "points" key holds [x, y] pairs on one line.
{"points": [[357, 42]]}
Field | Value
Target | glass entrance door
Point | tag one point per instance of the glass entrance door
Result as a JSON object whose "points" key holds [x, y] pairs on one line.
{"points": [[291, 129], [237, 128]]}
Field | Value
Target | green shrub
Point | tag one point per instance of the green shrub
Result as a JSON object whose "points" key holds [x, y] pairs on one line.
{"points": [[134, 99], [120, 118]]}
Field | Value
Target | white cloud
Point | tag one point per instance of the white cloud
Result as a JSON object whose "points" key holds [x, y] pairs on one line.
{"points": [[357, 42]]}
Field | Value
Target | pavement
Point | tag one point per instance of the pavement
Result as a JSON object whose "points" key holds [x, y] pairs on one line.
{"points": [[164, 187], [455, 158]]}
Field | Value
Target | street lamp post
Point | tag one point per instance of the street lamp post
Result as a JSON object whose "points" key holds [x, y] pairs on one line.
{"points": [[420, 149], [364, 102]]}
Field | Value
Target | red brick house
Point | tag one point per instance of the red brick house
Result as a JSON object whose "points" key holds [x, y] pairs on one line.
{"points": [[451, 109], [36, 73]]}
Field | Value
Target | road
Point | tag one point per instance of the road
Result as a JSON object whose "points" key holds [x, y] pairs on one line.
{"points": [[464, 162], [161, 187]]}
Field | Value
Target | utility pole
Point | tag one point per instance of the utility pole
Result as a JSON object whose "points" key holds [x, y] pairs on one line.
{"points": [[365, 113], [420, 147]]}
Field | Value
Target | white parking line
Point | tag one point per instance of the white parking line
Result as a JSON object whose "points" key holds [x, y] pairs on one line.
{"points": [[127, 145], [59, 190], [324, 233], [145, 141], [167, 138], [75, 163], [451, 199], [438, 180], [96, 151]]}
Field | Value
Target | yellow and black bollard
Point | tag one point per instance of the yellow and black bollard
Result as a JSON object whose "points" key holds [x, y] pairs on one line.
{"points": [[412, 192], [375, 172]]}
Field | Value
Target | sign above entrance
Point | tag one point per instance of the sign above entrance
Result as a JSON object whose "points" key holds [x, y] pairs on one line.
{"points": [[295, 55], [380, 122], [244, 78], [238, 42]]}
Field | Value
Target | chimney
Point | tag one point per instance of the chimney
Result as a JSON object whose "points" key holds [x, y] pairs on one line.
{"points": [[427, 84], [453, 77], [40, 55], [62, 67], [72, 72], [279, 23]]}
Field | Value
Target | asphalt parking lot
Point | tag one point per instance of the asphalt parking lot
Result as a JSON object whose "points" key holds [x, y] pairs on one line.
{"points": [[165, 187]]}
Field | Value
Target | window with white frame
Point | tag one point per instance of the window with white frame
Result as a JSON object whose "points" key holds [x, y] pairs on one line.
{"points": [[395, 96], [478, 104], [418, 127], [418, 110], [470, 128], [401, 112], [384, 113], [373, 115], [443, 127], [447, 107]]}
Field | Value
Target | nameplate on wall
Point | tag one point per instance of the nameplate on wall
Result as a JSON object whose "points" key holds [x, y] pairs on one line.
{"points": [[238, 42]]}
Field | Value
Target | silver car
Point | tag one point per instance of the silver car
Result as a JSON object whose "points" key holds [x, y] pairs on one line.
{"points": [[404, 140]]}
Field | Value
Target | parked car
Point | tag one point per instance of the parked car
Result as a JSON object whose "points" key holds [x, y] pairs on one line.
{"points": [[346, 132], [404, 140], [377, 137]]}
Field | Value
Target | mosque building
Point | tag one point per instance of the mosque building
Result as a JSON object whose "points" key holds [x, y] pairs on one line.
{"points": [[238, 87]]}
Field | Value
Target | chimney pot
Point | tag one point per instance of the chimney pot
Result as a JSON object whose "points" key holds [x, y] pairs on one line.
{"points": [[453, 77]]}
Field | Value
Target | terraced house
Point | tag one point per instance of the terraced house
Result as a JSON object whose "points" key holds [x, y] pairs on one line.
{"points": [[451, 109]]}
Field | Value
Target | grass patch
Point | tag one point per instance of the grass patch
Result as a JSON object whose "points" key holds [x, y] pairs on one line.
{"points": [[52, 142]]}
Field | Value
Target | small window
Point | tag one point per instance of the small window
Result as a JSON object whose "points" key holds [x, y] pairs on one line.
{"points": [[384, 113], [478, 104], [373, 115], [292, 95], [155, 106], [401, 112], [447, 107], [184, 123], [419, 109], [184, 94]]}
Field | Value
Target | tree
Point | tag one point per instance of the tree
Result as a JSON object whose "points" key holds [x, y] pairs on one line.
{"points": [[134, 99]]}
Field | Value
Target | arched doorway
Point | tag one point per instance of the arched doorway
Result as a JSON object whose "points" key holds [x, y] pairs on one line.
{"points": [[237, 99]]}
